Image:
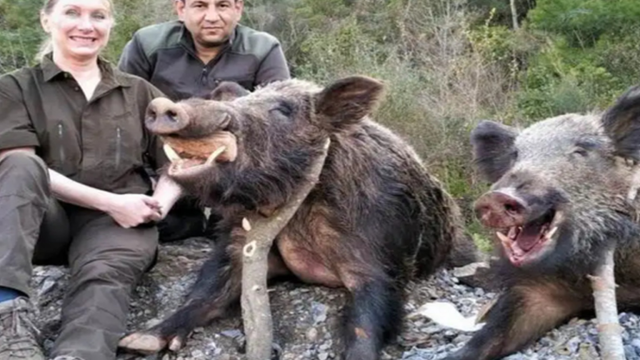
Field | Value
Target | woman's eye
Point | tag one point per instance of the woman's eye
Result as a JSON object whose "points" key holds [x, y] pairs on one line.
{"points": [[72, 13]]}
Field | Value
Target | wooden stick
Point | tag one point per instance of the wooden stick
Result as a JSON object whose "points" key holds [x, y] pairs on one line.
{"points": [[261, 231], [604, 294]]}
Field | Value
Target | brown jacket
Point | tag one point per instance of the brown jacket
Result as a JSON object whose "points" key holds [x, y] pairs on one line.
{"points": [[102, 143]]}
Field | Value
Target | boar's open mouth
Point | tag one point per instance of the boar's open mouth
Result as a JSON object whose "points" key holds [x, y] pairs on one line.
{"points": [[185, 161], [190, 156], [525, 242]]}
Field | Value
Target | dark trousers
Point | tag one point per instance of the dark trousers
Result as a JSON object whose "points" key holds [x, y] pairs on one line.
{"points": [[105, 260]]}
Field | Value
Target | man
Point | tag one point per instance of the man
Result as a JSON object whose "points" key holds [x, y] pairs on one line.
{"points": [[189, 58]]}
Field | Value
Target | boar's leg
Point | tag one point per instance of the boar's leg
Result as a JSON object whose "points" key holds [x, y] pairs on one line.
{"points": [[522, 314], [217, 287], [373, 316]]}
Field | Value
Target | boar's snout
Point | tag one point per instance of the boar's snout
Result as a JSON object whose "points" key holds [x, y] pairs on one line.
{"points": [[165, 117], [497, 209]]}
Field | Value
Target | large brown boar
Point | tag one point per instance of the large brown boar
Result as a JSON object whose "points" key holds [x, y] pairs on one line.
{"points": [[375, 219], [559, 199]]}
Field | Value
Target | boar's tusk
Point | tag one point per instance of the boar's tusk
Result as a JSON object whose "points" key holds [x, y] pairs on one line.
{"points": [[505, 240], [171, 154], [246, 225], [550, 233], [215, 154]]}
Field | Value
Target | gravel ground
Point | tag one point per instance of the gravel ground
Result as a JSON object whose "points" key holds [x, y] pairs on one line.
{"points": [[306, 318]]}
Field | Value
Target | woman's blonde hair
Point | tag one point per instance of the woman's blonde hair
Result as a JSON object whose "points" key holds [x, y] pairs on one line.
{"points": [[46, 46]]}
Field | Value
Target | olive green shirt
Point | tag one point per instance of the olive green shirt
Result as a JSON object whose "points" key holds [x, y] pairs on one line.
{"points": [[102, 143]]}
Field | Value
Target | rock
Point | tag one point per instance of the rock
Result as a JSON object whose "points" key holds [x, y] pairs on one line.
{"points": [[477, 275], [319, 312], [312, 334], [232, 333]]}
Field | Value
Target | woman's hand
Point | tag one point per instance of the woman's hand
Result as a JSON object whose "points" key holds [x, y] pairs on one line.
{"points": [[131, 210]]}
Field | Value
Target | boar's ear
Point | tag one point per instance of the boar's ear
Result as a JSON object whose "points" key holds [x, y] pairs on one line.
{"points": [[348, 100], [228, 91], [622, 124], [493, 149]]}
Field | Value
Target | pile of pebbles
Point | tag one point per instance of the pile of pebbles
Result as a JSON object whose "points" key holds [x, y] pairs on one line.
{"points": [[307, 318]]}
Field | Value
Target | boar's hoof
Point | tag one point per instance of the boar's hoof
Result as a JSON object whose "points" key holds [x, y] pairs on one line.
{"points": [[142, 343], [150, 343]]}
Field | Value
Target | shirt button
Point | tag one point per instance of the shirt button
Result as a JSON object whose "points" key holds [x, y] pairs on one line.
{"points": [[76, 88]]}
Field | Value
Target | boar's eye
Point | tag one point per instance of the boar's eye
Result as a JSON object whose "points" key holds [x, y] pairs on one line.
{"points": [[581, 151], [284, 109], [585, 146]]}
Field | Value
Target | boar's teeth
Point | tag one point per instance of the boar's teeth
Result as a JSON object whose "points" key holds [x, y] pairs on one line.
{"points": [[505, 240], [513, 232], [551, 232], [171, 154], [246, 225], [215, 154]]}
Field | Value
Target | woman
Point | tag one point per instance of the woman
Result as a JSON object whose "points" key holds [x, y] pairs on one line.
{"points": [[73, 185]]}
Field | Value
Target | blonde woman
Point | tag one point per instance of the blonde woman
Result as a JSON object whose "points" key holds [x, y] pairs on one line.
{"points": [[73, 185]]}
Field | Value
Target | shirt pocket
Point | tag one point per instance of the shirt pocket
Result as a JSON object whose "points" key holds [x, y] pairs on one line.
{"points": [[63, 152], [124, 144]]}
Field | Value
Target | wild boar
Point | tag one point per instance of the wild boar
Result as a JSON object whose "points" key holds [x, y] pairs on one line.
{"points": [[376, 218], [558, 201]]}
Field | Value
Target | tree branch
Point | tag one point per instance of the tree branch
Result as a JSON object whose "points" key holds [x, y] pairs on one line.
{"points": [[514, 14], [604, 294], [261, 232]]}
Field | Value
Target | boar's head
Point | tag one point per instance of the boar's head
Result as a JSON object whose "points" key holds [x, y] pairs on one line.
{"points": [[559, 186], [253, 148]]}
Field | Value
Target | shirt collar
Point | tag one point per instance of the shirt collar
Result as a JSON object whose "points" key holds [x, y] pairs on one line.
{"points": [[110, 77]]}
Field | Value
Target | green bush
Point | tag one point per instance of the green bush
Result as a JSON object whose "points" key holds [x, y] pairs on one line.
{"points": [[446, 63], [584, 22], [588, 57]]}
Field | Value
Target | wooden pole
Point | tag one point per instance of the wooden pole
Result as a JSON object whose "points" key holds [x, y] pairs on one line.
{"points": [[604, 294], [261, 232]]}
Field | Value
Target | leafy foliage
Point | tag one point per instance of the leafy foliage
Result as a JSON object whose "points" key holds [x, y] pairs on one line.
{"points": [[446, 63]]}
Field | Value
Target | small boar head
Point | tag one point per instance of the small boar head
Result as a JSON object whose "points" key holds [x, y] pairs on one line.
{"points": [[263, 140], [559, 187]]}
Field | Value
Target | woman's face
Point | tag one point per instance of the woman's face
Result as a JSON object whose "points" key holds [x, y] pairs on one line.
{"points": [[79, 28]]}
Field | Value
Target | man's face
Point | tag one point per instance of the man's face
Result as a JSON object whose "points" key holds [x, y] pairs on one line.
{"points": [[210, 21]]}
